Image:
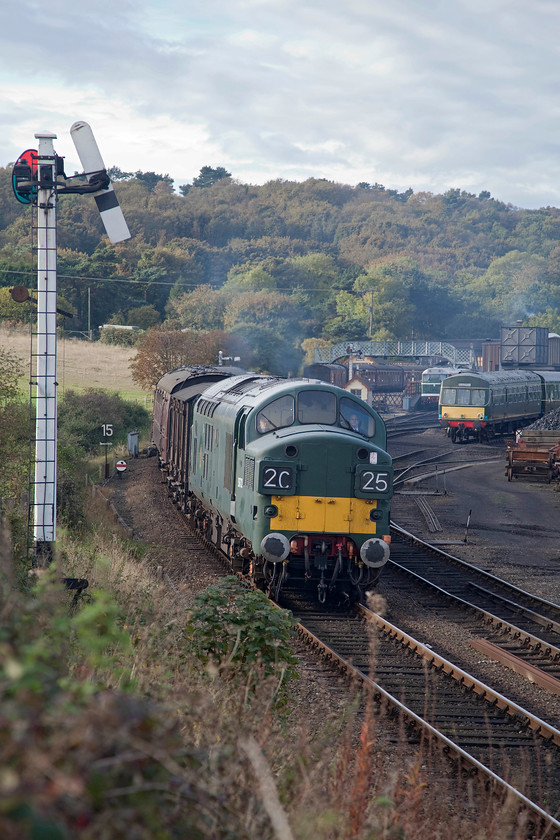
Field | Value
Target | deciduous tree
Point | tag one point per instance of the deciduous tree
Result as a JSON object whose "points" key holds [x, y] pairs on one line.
{"points": [[161, 350]]}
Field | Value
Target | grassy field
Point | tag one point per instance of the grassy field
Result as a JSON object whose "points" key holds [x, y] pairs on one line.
{"points": [[80, 364]]}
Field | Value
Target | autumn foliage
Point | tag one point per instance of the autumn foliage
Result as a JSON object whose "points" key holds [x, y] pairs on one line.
{"points": [[160, 350]]}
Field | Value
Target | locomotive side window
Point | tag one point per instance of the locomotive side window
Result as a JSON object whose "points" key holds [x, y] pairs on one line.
{"points": [[352, 416], [276, 415], [317, 407]]}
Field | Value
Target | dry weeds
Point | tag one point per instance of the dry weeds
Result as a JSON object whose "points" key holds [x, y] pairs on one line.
{"points": [[80, 364]]}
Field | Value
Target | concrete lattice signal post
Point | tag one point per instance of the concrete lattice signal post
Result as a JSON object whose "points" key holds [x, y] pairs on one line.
{"points": [[44, 495], [36, 181]]}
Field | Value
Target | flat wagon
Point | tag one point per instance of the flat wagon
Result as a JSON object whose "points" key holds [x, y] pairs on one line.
{"points": [[535, 455]]}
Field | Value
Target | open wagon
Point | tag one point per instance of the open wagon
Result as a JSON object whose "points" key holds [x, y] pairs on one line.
{"points": [[535, 455]]}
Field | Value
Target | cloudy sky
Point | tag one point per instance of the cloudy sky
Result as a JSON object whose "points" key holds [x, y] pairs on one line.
{"points": [[427, 94]]}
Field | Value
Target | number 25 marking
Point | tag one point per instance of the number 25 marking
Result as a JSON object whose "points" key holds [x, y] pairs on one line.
{"points": [[375, 481]]}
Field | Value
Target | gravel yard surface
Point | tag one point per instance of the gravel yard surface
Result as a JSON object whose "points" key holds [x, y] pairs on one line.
{"points": [[514, 533]]}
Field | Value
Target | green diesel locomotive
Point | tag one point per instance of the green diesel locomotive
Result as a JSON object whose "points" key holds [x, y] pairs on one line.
{"points": [[290, 478]]}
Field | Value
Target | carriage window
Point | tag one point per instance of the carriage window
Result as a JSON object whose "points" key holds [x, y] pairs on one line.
{"points": [[478, 396], [316, 407], [276, 415], [463, 395], [448, 396], [354, 417]]}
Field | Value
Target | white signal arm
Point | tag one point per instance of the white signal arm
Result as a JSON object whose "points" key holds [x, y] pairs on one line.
{"points": [[92, 162]]}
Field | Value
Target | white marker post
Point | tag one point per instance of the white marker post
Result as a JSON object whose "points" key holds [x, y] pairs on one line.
{"points": [[44, 501], [121, 467]]}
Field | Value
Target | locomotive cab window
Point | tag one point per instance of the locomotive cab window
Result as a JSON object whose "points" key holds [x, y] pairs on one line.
{"points": [[317, 407], [276, 415], [354, 417], [464, 396]]}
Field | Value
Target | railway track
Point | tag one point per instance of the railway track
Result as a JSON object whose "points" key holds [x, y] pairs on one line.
{"points": [[525, 629], [505, 743], [405, 424], [481, 728]]}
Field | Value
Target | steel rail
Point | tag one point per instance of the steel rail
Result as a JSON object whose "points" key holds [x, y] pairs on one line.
{"points": [[536, 724], [442, 664], [545, 622], [515, 663], [499, 623], [450, 558]]}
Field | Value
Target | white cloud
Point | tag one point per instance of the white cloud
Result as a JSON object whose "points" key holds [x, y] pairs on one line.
{"points": [[430, 95]]}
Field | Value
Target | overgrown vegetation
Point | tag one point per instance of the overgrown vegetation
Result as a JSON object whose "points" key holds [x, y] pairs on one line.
{"points": [[234, 628], [83, 418], [116, 722], [104, 709]]}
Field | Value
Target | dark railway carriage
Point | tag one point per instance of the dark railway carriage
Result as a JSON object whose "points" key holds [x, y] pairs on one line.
{"points": [[289, 478], [170, 412], [382, 378], [334, 373], [551, 389]]}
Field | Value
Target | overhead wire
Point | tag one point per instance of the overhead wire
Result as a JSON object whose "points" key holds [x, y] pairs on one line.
{"points": [[132, 282]]}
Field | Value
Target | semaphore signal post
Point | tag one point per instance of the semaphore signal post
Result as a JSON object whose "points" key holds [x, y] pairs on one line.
{"points": [[38, 178]]}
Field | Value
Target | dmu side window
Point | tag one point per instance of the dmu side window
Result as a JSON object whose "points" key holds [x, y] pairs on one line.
{"points": [[478, 396]]}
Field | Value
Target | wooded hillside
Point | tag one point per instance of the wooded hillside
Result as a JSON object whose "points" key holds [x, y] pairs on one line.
{"points": [[283, 262]]}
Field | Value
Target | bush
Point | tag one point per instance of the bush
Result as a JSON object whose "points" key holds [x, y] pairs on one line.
{"points": [[122, 338], [82, 416], [237, 631]]}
